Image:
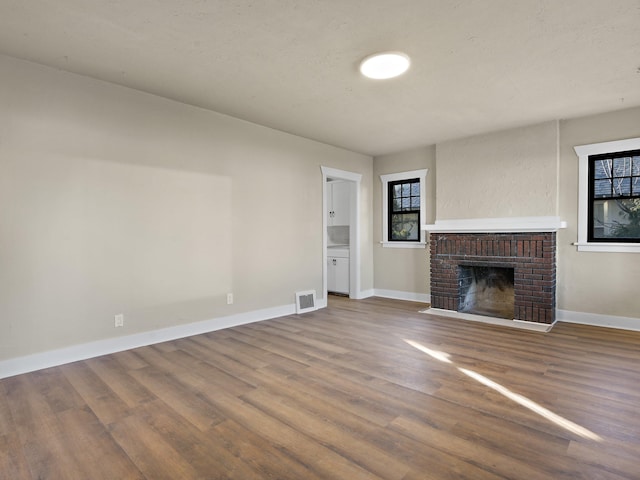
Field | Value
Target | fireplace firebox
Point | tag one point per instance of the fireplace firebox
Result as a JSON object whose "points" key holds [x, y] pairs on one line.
{"points": [[486, 290]]}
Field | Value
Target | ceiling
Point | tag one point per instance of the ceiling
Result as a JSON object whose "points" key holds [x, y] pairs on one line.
{"points": [[477, 65]]}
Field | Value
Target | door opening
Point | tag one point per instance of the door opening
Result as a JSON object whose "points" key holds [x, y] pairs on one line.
{"points": [[341, 232]]}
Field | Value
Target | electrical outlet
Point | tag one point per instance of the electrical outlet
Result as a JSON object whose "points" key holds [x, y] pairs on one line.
{"points": [[119, 320], [229, 298]]}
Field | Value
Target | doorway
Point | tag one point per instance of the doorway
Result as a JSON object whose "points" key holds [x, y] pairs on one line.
{"points": [[351, 181]]}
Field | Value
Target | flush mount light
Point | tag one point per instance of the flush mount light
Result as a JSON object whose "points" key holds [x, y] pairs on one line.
{"points": [[385, 65]]}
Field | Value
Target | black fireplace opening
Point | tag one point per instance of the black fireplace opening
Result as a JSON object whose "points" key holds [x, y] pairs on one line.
{"points": [[486, 290]]}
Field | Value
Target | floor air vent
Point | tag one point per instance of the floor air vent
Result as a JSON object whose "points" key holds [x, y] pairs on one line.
{"points": [[305, 301]]}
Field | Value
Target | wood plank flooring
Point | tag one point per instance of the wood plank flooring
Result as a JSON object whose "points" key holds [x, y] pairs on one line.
{"points": [[368, 389]]}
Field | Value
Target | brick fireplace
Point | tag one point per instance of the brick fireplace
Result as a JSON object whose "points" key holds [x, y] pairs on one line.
{"points": [[531, 256]]}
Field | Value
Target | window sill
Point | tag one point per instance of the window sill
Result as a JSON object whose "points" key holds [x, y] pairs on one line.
{"points": [[608, 247], [403, 244]]}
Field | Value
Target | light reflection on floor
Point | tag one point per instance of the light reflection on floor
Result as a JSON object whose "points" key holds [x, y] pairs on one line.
{"points": [[515, 397]]}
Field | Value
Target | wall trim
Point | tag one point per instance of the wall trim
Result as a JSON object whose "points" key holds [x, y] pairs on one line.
{"points": [[321, 302], [393, 177], [354, 227], [583, 152], [399, 295], [54, 358], [598, 320], [498, 225], [362, 294]]}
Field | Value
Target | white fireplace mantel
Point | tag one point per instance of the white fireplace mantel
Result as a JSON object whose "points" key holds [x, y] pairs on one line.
{"points": [[497, 225]]}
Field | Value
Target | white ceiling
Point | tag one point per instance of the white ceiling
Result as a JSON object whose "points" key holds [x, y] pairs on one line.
{"points": [[477, 65]]}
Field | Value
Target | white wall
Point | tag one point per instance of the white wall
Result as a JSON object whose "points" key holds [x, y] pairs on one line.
{"points": [[116, 201], [511, 173], [402, 272], [594, 282]]}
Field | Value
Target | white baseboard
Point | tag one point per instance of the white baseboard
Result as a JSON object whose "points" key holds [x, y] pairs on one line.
{"points": [[363, 294], [598, 320], [53, 358], [395, 294], [38, 361], [399, 295]]}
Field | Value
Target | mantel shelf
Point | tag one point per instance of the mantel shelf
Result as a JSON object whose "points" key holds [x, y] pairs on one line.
{"points": [[497, 225]]}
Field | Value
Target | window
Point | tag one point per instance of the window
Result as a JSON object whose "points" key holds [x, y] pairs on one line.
{"points": [[609, 196], [403, 209], [614, 197]]}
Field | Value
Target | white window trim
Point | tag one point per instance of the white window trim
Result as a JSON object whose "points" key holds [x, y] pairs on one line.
{"points": [[394, 177], [583, 152]]}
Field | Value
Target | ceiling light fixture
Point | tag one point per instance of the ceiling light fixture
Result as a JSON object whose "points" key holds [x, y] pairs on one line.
{"points": [[385, 65]]}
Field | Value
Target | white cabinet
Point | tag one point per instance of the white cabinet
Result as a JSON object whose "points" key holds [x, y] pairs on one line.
{"points": [[339, 200], [338, 271]]}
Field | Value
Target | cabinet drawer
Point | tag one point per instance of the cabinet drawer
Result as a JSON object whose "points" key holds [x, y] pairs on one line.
{"points": [[338, 252]]}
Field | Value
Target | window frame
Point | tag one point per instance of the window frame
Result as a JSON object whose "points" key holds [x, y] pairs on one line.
{"points": [[592, 194], [392, 212], [585, 243], [421, 175]]}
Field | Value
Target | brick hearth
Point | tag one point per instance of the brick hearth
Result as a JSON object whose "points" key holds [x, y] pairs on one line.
{"points": [[531, 255]]}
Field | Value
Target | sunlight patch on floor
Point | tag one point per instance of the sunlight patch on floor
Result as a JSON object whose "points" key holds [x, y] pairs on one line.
{"points": [[438, 355], [533, 406], [515, 397]]}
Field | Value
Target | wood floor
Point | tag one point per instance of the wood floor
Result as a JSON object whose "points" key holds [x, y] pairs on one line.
{"points": [[366, 389]]}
